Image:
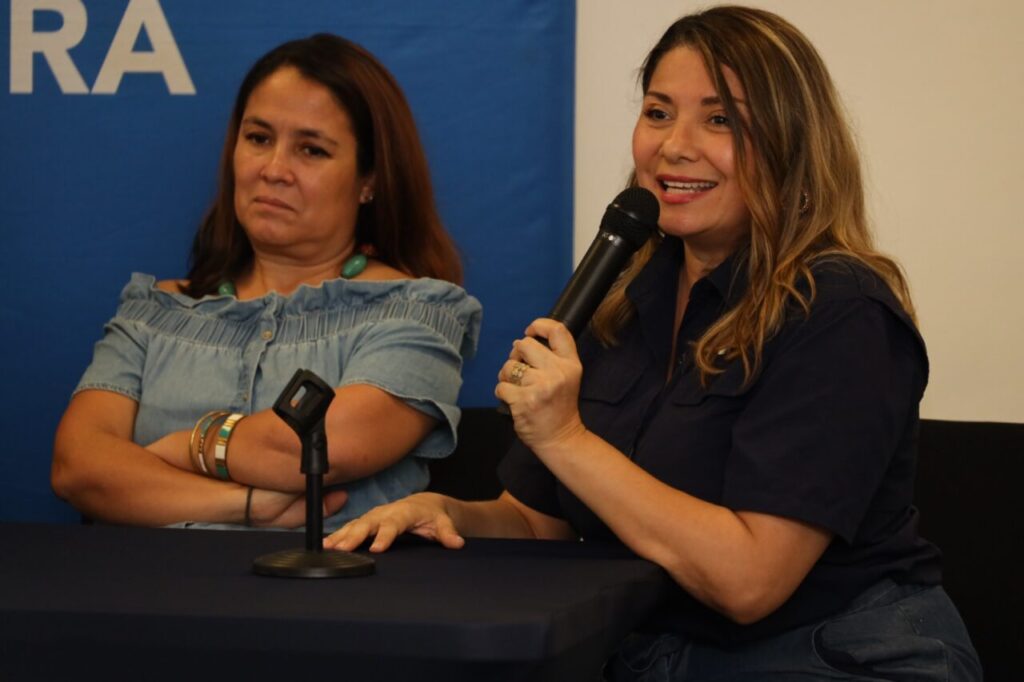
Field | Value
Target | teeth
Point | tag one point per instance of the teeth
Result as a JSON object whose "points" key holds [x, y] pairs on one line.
{"points": [[687, 186]]}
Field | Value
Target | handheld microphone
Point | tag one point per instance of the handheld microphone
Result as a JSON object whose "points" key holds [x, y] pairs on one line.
{"points": [[627, 223]]}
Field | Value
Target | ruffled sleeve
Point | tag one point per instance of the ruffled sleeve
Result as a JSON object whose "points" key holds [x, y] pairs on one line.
{"points": [[413, 346], [119, 357]]}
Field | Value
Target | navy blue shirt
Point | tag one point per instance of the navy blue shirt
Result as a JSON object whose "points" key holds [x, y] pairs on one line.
{"points": [[825, 432]]}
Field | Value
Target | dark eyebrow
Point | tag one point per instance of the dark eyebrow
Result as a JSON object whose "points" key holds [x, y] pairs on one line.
{"points": [[316, 135], [714, 100], [255, 120], [301, 132]]}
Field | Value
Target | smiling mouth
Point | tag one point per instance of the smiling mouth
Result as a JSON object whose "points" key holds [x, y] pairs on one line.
{"points": [[691, 187]]}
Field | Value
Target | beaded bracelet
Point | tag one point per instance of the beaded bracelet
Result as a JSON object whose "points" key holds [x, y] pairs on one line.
{"points": [[197, 440], [220, 453]]}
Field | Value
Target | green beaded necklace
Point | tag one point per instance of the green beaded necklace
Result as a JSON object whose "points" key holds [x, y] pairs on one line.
{"points": [[352, 267]]}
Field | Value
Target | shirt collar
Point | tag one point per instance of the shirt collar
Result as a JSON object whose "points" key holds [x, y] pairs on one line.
{"points": [[653, 293], [663, 266], [729, 279]]}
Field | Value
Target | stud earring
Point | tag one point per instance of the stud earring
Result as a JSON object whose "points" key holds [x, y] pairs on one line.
{"points": [[366, 195]]}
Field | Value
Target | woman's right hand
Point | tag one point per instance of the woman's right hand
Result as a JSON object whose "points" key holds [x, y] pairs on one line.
{"points": [[423, 514]]}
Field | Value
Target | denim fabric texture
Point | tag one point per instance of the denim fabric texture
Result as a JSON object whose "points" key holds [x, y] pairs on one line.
{"points": [[179, 357], [896, 633]]}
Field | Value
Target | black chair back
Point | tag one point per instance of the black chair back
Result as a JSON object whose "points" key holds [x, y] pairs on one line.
{"points": [[471, 472], [969, 475]]}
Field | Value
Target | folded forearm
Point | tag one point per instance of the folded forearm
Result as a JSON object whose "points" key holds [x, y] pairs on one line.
{"points": [[109, 478], [367, 432]]}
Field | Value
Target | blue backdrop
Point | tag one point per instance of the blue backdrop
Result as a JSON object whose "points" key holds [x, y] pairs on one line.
{"points": [[112, 118]]}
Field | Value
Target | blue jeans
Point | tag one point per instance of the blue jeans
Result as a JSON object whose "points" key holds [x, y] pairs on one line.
{"points": [[891, 632]]}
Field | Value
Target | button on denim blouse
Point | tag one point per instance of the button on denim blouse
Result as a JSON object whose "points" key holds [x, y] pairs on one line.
{"points": [[179, 358]]}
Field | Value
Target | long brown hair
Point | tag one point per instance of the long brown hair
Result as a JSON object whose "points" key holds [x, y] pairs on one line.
{"points": [[804, 190], [401, 223]]}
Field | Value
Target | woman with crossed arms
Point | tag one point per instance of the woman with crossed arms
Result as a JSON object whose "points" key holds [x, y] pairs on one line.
{"points": [[323, 251]]}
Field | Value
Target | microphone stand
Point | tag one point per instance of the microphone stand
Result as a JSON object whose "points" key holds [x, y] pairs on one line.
{"points": [[303, 405]]}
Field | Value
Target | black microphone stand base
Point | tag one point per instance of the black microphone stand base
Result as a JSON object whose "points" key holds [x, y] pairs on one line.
{"points": [[304, 563]]}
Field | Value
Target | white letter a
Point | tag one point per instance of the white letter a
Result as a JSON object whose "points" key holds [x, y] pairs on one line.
{"points": [[165, 57]]}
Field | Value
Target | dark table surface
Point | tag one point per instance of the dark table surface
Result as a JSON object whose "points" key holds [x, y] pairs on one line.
{"points": [[120, 601]]}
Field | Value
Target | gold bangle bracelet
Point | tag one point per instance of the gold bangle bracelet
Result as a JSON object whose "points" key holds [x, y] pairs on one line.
{"points": [[197, 439]]}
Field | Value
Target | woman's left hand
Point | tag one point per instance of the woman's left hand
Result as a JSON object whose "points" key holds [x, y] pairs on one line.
{"points": [[543, 395]]}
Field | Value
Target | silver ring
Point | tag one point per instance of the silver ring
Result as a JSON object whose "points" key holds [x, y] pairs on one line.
{"points": [[516, 377]]}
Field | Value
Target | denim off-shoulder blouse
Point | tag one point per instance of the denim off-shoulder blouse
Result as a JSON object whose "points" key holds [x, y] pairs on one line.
{"points": [[179, 358]]}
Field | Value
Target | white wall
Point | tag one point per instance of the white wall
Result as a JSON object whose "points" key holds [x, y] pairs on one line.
{"points": [[935, 90]]}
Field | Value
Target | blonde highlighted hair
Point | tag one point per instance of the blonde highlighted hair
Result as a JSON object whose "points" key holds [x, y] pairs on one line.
{"points": [[804, 189]]}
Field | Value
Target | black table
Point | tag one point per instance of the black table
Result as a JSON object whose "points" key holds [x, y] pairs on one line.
{"points": [[183, 604]]}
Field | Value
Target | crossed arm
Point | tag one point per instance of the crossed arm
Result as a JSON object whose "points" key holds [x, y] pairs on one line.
{"points": [[98, 469]]}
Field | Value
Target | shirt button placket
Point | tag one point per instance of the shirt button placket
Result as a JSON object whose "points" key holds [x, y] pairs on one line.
{"points": [[260, 348]]}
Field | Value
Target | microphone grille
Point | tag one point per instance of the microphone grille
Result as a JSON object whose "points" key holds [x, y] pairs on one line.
{"points": [[632, 215]]}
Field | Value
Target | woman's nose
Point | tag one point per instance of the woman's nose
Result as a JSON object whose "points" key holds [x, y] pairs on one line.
{"points": [[276, 168], [680, 143]]}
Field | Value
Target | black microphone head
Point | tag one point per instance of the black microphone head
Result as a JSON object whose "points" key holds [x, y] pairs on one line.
{"points": [[632, 215], [627, 224]]}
